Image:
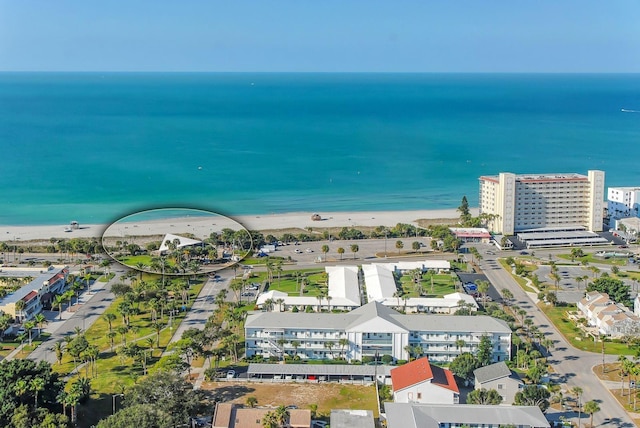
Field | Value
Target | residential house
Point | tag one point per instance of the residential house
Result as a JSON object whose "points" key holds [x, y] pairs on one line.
{"points": [[230, 415], [499, 377], [352, 419], [420, 382]]}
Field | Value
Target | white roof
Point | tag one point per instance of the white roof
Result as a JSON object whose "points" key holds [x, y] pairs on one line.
{"points": [[183, 242], [379, 281], [449, 301], [343, 283], [303, 300], [422, 265]]}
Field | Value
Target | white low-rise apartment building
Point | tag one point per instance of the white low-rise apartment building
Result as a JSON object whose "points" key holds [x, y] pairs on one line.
{"points": [[372, 329], [610, 318], [532, 201]]}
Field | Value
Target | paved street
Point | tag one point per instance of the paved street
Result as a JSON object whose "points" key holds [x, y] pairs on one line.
{"points": [[570, 365]]}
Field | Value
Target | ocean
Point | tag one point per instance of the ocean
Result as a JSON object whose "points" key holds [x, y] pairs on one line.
{"points": [[94, 147]]}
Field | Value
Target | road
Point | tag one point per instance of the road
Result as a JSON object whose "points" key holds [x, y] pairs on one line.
{"points": [[93, 306], [570, 365]]}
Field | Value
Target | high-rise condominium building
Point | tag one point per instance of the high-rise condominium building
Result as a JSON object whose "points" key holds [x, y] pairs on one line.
{"points": [[533, 201]]}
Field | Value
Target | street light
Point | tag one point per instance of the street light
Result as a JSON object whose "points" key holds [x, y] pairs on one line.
{"points": [[113, 402]]}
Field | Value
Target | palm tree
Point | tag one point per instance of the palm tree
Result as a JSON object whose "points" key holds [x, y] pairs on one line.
{"points": [[577, 391], [20, 305], [109, 317], [281, 415], [40, 320], [29, 326], [340, 251], [251, 401], [354, 250], [21, 387], [591, 407], [325, 250], [507, 295], [483, 287], [58, 348], [36, 385], [399, 246]]}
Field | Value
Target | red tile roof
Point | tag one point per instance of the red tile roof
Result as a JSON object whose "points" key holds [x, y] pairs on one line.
{"points": [[30, 296], [411, 373], [421, 371]]}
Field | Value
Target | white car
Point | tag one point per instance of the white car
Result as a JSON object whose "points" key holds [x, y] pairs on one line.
{"points": [[309, 250], [297, 251], [231, 374]]}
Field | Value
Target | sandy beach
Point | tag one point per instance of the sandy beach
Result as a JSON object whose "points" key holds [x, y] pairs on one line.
{"points": [[301, 220]]}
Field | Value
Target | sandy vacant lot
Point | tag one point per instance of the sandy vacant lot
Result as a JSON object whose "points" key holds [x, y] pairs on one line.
{"points": [[327, 395]]}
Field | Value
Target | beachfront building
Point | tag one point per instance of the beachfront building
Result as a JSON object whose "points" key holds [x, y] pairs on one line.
{"points": [[370, 330], [39, 291], [413, 415], [623, 202], [420, 382], [519, 202], [608, 317]]}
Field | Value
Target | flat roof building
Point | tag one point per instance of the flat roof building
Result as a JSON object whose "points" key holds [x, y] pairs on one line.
{"points": [[532, 201]]}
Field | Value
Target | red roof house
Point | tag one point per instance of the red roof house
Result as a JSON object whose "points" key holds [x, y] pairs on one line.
{"points": [[421, 382]]}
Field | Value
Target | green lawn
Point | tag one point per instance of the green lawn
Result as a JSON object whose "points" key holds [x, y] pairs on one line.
{"points": [[521, 281], [442, 284], [558, 316], [590, 258], [287, 283]]}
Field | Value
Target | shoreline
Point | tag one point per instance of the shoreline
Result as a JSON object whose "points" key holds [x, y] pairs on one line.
{"points": [[260, 222]]}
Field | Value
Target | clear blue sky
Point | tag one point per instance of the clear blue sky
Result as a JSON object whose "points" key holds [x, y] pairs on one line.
{"points": [[320, 35]]}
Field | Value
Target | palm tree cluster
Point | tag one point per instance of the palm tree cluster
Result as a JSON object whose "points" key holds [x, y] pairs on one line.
{"points": [[629, 369], [277, 418]]}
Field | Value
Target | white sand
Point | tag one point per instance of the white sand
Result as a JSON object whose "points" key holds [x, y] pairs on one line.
{"points": [[254, 222]]}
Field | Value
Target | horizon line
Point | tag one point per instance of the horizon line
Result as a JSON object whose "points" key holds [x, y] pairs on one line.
{"points": [[313, 72]]}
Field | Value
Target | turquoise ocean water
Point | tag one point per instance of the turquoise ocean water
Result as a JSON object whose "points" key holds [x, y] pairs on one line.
{"points": [[95, 147]]}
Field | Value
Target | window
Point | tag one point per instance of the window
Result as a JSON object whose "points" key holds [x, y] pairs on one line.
{"points": [[501, 386], [419, 395]]}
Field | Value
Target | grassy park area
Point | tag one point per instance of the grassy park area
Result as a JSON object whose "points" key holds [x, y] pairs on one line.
{"points": [[113, 371]]}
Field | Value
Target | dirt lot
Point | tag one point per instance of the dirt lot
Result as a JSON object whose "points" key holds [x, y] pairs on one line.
{"points": [[326, 395]]}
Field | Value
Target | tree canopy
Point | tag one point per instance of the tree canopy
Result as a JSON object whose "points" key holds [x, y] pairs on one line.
{"points": [[533, 395], [464, 365], [484, 396], [16, 376], [617, 290], [167, 391], [139, 416]]}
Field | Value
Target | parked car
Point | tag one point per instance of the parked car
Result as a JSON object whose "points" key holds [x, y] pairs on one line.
{"points": [[231, 374], [309, 250]]}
